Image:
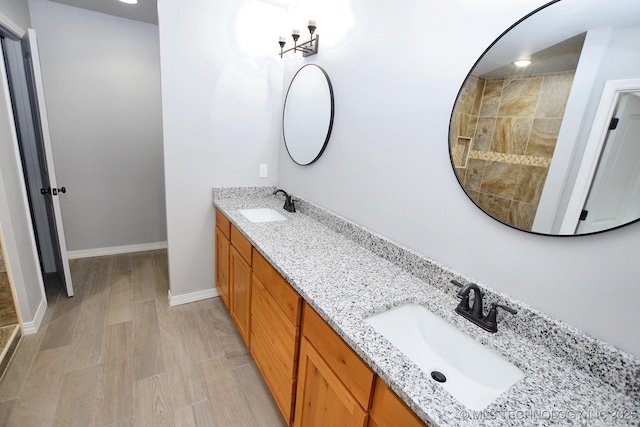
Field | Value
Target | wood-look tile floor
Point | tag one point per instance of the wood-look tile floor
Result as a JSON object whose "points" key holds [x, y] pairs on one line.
{"points": [[116, 354]]}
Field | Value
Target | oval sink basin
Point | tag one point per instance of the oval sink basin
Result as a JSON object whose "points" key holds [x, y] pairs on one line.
{"points": [[262, 215], [474, 374]]}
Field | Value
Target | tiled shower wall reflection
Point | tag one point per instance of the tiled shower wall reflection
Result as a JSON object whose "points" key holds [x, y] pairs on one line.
{"points": [[9, 329], [8, 315], [503, 135]]}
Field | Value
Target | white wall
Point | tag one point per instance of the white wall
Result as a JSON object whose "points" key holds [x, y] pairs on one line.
{"points": [[607, 54], [102, 87], [387, 166], [17, 11], [396, 68], [221, 89]]}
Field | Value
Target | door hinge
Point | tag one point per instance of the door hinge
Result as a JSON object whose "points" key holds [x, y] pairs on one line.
{"points": [[614, 123], [583, 214]]}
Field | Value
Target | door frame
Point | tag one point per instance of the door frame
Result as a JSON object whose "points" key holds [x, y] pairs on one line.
{"points": [[595, 143]]}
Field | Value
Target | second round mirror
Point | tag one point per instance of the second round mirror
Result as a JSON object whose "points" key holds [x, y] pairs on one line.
{"points": [[308, 114]]}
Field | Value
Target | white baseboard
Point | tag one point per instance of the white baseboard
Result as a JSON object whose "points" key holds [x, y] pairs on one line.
{"points": [[32, 327], [192, 297], [115, 250]]}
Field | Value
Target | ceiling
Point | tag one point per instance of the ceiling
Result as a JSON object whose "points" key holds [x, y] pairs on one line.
{"points": [[555, 34], [563, 56], [144, 11]]}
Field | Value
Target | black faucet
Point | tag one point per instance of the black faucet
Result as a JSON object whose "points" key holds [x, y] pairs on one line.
{"points": [[289, 203], [474, 314]]}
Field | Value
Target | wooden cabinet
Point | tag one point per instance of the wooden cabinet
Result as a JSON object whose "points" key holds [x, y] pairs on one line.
{"points": [[388, 410], [240, 283], [275, 332], [222, 238], [334, 384], [314, 376]]}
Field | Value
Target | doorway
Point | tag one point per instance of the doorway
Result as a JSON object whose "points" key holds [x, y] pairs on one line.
{"points": [[25, 81], [610, 145], [614, 197]]}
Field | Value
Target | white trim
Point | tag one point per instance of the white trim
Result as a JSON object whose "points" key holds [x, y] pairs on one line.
{"points": [[32, 327], [9, 28], [597, 136], [192, 297], [115, 250]]}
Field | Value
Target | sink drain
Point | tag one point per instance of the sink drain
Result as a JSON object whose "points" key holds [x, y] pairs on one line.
{"points": [[438, 376]]}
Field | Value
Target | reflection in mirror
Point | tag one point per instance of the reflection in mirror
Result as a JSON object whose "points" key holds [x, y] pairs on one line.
{"points": [[308, 114], [614, 195], [527, 143]]}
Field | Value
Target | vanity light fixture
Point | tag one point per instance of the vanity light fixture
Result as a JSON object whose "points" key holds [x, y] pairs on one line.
{"points": [[129, 1], [520, 63], [307, 48]]}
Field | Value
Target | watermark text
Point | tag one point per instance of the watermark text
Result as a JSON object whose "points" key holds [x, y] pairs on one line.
{"points": [[552, 415]]}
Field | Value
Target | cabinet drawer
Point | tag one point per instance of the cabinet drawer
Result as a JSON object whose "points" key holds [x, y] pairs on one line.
{"points": [[223, 224], [241, 244], [280, 383], [280, 333], [388, 410], [348, 366], [283, 294]]}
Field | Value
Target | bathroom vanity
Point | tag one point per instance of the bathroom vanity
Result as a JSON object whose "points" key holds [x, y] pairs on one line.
{"points": [[301, 288], [302, 359]]}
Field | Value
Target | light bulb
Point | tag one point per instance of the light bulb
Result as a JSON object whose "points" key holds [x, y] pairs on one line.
{"points": [[522, 62]]}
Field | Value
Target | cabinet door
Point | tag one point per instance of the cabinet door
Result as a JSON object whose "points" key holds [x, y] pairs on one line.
{"points": [[353, 372], [240, 293], [322, 399], [222, 265], [388, 410]]}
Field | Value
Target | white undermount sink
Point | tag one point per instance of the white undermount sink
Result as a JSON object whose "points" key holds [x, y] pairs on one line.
{"points": [[475, 374], [262, 215]]}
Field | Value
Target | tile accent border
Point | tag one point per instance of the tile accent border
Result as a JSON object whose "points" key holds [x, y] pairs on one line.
{"points": [[516, 159]]}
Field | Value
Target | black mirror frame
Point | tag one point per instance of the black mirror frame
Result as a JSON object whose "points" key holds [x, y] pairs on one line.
{"points": [[329, 129], [453, 167]]}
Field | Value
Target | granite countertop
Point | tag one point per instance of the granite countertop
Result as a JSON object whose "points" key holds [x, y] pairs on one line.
{"points": [[345, 282]]}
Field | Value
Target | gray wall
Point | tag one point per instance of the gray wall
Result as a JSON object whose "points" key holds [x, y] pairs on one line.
{"points": [[102, 87]]}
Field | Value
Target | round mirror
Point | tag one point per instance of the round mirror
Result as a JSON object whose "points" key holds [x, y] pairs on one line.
{"points": [[544, 132], [308, 114]]}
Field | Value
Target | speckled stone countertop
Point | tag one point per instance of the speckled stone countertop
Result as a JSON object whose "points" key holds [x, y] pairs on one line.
{"points": [[347, 273]]}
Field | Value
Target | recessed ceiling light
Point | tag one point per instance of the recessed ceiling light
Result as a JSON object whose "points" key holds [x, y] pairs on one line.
{"points": [[129, 1], [522, 62]]}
